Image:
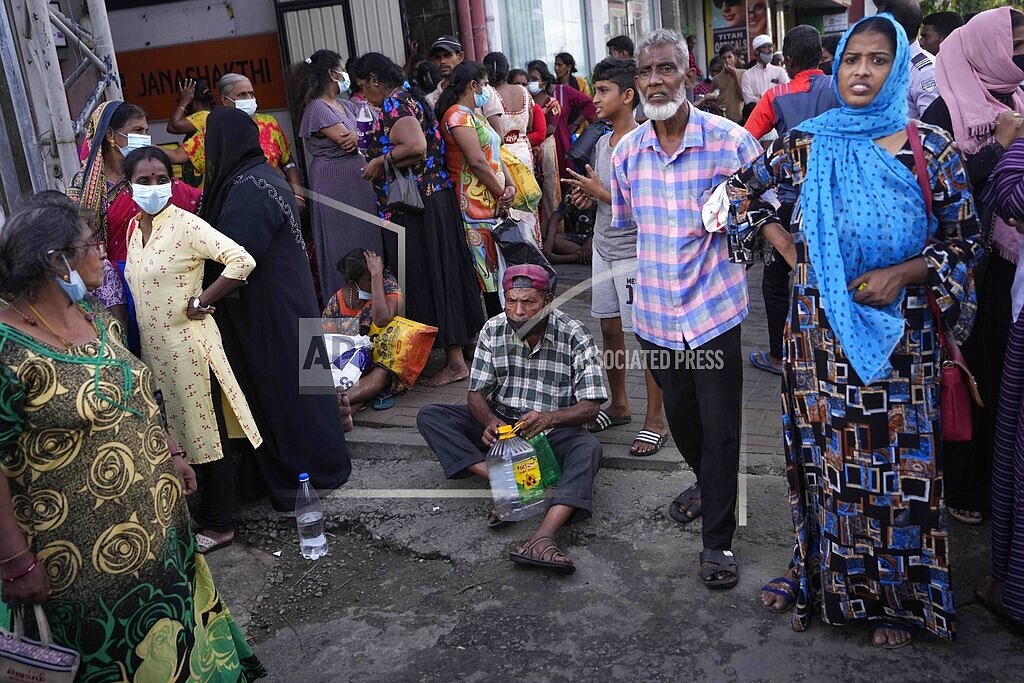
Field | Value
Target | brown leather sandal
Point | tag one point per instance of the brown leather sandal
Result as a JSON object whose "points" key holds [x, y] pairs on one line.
{"points": [[547, 559]]}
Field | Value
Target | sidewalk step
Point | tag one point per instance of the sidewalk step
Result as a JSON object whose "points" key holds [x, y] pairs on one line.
{"points": [[396, 443]]}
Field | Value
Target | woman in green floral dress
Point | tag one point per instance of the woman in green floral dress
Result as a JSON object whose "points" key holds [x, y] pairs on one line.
{"points": [[93, 522]]}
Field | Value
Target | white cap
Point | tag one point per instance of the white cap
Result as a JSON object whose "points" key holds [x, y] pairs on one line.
{"points": [[761, 40]]}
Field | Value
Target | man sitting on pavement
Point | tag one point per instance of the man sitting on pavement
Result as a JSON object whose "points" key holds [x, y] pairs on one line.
{"points": [[544, 375]]}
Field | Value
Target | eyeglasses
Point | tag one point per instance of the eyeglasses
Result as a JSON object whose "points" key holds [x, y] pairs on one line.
{"points": [[99, 244]]}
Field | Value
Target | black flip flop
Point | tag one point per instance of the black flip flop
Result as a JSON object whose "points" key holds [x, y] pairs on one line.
{"points": [[684, 503], [605, 421], [722, 562], [647, 436], [903, 628], [547, 557]]}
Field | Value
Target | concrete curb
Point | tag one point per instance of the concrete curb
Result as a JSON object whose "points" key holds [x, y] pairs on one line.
{"points": [[398, 443]]}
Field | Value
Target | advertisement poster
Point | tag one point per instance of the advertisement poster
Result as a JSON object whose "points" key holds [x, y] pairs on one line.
{"points": [[757, 22], [729, 26]]}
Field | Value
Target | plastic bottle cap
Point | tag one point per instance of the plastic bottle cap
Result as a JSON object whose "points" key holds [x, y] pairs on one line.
{"points": [[506, 431], [303, 477]]}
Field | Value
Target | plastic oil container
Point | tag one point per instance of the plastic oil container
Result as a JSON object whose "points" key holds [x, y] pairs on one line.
{"points": [[514, 471]]}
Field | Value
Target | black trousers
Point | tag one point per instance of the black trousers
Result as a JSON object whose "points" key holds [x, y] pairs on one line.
{"points": [[703, 404], [454, 436], [776, 289], [217, 479]]}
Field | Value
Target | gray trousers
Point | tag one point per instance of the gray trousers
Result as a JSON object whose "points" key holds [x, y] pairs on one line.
{"points": [[455, 437]]}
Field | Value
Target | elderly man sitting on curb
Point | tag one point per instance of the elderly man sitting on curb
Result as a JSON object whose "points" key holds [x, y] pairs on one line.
{"points": [[548, 378]]}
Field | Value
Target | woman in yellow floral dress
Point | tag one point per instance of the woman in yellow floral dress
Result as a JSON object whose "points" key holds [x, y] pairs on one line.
{"points": [[167, 252], [93, 523]]}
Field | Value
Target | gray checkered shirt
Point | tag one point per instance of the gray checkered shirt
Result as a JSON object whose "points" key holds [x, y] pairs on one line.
{"points": [[563, 370]]}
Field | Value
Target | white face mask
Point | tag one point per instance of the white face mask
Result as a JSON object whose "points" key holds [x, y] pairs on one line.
{"points": [[135, 141], [151, 198], [248, 106]]}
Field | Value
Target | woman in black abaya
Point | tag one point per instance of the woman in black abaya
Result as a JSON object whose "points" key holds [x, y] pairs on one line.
{"points": [[251, 203]]}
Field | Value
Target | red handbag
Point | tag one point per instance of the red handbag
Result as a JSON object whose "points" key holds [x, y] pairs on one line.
{"points": [[957, 385]]}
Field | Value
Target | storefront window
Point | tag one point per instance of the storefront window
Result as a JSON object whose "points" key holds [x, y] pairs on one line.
{"points": [[629, 18], [425, 20], [539, 29]]}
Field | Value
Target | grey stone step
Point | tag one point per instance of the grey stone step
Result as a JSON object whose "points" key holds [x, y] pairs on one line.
{"points": [[366, 443]]}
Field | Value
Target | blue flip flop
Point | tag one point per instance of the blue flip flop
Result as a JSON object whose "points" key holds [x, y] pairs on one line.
{"points": [[760, 360], [383, 402]]}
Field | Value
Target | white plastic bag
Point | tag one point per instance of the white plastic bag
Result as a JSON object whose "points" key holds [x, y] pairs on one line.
{"points": [[350, 357]]}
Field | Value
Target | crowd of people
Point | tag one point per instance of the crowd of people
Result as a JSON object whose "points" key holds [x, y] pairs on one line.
{"points": [[145, 318]]}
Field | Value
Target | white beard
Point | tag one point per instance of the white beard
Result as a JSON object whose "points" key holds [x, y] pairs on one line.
{"points": [[662, 112]]}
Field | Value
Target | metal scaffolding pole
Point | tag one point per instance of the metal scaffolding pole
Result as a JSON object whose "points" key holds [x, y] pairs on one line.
{"points": [[42, 57], [105, 46], [21, 164]]}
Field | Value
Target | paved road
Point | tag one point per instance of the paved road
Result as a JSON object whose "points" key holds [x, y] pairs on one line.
{"points": [[418, 589]]}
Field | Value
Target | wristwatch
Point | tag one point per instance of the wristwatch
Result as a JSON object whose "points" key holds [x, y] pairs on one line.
{"points": [[197, 304]]}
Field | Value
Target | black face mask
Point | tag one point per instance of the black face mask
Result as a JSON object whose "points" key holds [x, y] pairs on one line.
{"points": [[1019, 61]]}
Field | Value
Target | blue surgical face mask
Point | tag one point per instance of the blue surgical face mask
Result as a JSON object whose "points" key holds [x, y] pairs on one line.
{"points": [[135, 141], [534, 87], [363, 296], [482, 99], [345, 83], [73, 286], [765, 57]]}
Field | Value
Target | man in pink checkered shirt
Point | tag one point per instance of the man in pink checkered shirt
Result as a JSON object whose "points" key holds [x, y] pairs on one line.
{"points": [[690, 299]]}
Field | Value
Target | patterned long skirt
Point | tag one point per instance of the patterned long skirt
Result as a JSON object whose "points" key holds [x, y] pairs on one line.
{"points": [[865, 474], [1008, 479]]}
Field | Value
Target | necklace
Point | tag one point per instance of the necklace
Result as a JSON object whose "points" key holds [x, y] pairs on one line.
{"points": [[40, 319]]}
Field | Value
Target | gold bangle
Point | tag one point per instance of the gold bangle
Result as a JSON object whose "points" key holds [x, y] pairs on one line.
{"points": [[14, 557]]}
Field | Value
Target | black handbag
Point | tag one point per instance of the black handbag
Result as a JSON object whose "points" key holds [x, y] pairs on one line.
{"points": [[517, 249], [582, 151], [403, 192]]}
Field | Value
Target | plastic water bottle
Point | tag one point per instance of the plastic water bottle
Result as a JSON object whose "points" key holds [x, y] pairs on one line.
{"points": [[514, 472], [364, 124], [309, 518]]}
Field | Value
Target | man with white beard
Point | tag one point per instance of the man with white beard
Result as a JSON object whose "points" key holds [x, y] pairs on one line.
{"points": [[689, 299]]}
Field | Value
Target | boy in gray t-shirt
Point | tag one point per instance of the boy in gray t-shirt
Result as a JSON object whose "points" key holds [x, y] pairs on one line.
{"points": [[614, 261]]}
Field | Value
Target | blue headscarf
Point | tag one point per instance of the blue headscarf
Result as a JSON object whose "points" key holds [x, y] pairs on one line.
{"points": [[862, 210]]}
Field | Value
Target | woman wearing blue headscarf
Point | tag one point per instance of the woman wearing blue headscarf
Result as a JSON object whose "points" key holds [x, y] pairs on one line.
{"points": [[860, 389]]}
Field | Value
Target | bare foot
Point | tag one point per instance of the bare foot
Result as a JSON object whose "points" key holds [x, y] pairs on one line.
{"points": [[345, 410], [447, 375], [778, 603]]}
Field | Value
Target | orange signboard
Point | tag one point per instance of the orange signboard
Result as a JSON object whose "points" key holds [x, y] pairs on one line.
{"points": [[150, 77]]}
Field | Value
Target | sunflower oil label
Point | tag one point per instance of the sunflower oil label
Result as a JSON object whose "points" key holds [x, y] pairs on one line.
{"points": [[528, 480]]}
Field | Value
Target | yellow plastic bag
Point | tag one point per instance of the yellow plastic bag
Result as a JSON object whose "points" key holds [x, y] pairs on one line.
{"points": [[403, 347], [528, 193]]}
